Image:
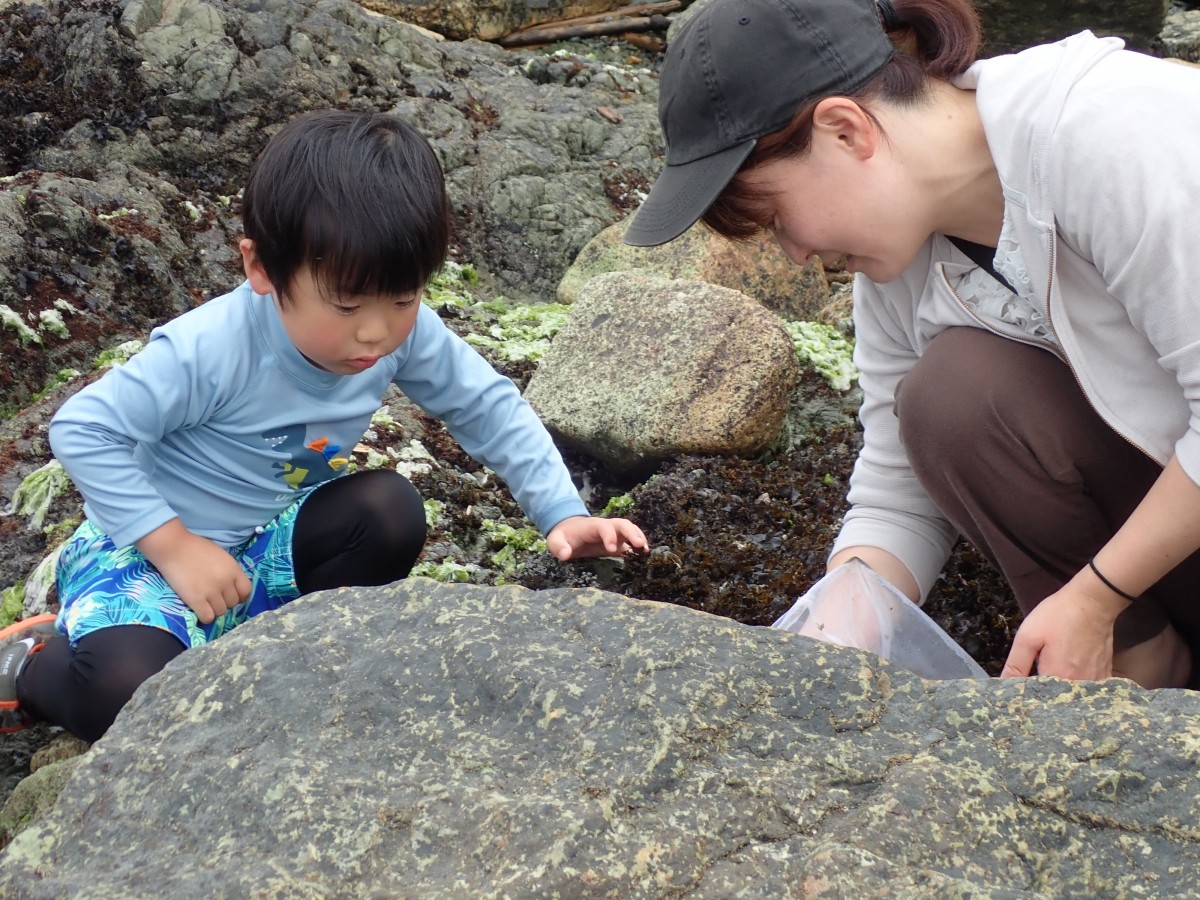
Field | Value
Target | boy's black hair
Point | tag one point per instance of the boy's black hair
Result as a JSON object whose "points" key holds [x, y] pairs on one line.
{"points": [[357, 197]]}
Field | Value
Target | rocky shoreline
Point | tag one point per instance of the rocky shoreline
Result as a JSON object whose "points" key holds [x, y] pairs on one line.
{"points": [[123, 140]]}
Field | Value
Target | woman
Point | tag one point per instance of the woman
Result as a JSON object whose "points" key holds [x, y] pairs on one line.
{"points": [[1026, 306]]}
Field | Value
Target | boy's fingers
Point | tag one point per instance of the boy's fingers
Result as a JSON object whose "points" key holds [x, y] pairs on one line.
{"points": [[203, 612], [559, 546], [635, 537]]}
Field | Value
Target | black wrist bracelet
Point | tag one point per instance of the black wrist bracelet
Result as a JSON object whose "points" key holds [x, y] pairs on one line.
{"points": [[1108, 584]]}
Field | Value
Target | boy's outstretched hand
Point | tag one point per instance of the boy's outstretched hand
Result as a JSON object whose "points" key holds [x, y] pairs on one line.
{"points": [[580, 537]]}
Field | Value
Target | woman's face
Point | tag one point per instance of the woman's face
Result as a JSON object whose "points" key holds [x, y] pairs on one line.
{"points": [[847, 197]]}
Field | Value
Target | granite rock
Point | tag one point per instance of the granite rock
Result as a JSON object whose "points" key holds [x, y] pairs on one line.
{"points": [[647, 368], [756, 267]]}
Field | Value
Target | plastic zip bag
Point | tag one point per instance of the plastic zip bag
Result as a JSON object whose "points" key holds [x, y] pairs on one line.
{"points": [[854, 606]]}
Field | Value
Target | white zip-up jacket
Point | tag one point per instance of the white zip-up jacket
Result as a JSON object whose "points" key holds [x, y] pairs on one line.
{"points": [[1098, 152]]}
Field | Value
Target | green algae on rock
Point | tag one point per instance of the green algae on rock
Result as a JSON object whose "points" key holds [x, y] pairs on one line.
{"points": [[115, 356], [10, 320], [37, 491], [12, 601], [824, 348], [522, 333]]}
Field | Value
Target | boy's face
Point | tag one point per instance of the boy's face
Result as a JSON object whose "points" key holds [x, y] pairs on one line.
{"points": [[343, 335]]}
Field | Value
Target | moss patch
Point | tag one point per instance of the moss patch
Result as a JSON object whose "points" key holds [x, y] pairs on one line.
{"points": [[447, 570], [514, 543], [452, 286]]}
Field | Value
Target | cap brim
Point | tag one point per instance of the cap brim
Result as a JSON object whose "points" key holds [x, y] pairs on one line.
{"points": [[681, 195]]}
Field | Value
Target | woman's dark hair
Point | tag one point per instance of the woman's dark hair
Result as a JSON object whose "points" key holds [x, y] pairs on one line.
{"points": [[359, 198], [934, 39]]}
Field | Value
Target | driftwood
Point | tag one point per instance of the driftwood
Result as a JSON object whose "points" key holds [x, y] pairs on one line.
{"points": [[646, 42], [638, 18]]}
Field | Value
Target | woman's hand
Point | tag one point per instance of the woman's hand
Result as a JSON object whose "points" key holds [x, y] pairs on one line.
{"points": [[583, 536], [1069, 634]]}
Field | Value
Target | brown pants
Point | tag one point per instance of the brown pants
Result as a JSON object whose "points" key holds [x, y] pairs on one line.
{"points": [[1005, 443]]}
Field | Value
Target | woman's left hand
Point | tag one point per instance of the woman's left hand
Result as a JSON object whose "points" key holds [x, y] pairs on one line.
{"points": [[1069, 635]]}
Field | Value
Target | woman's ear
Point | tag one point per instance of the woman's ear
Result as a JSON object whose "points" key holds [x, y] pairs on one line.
{"points": [[253, 267], [848, 125]]}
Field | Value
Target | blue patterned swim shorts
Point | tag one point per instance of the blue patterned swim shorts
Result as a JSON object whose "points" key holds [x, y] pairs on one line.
{"points": [[100, 585]]}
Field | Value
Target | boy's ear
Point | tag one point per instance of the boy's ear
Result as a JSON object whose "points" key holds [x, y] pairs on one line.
{"points": [[255, 273], [845, 121]]}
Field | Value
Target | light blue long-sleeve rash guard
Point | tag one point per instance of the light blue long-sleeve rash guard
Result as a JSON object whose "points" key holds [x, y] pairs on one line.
{"points": [[222, 422]]}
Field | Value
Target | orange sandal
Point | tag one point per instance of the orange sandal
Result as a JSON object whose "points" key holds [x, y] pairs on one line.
{"points": [[18, 642]]}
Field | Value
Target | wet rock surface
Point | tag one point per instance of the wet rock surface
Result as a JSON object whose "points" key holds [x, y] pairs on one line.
{"points": [[454, 740], [191, 91], [1011, 25]]}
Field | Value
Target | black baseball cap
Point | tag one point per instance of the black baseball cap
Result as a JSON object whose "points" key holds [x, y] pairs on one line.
{"points": [[736, 71]]}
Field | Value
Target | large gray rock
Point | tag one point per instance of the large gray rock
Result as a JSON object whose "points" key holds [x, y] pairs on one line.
{"points": [[647, 368], [434, 741], [191, 89]]}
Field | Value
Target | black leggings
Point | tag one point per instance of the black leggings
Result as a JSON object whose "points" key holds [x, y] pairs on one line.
{"points": [[363, 529]]}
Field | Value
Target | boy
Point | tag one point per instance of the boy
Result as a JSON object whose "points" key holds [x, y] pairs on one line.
{"points": [[210, 462]]}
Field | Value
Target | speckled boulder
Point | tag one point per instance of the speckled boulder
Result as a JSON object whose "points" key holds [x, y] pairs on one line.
{"points": [[647, 368], [757, 268], [426, 740]]}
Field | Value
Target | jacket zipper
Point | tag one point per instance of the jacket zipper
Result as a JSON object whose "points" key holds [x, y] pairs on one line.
{"points": [[1020, 337], [1024, 338]]}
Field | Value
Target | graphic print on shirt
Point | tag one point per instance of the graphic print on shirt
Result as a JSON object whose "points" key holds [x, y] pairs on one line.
{"points": [[310, 463]]}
